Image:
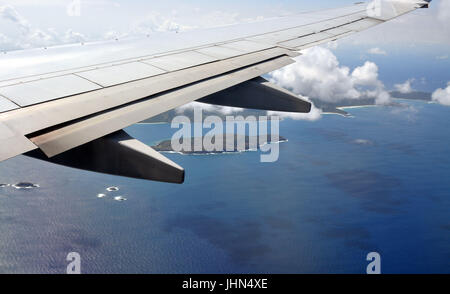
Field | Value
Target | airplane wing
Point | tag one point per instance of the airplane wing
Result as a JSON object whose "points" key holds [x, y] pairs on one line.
{"points": [[69, 104]]}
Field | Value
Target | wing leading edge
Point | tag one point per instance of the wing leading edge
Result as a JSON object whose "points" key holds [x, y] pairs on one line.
{"points": [[66, 110]]}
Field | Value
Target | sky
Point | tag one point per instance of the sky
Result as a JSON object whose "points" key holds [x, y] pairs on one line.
{"points": [[411, 53]]}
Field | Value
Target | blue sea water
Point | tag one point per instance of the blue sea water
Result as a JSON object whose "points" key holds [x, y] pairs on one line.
{"points": [[343, 187]]}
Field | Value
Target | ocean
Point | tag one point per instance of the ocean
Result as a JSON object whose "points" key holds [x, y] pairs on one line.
{"points": [[377, 181]]}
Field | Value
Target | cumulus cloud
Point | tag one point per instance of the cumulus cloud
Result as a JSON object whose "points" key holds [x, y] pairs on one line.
{"points": [[366, 75], [442, 96], [6, 43], [405, 87], [30, 36], [8, 12], [74, 37], [318, 74], [24, 35], [27, 37], [376, 51], [333, 45]]}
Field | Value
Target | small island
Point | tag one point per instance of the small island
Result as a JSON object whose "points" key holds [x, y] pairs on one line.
{"points": [[337, 106], [251, 143]]}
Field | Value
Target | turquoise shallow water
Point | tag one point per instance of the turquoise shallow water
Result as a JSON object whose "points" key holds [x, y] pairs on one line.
{"points": [[343, 187]]}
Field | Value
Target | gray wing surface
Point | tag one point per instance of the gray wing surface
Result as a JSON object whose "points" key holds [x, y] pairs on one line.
{"points": [[64, 103]]}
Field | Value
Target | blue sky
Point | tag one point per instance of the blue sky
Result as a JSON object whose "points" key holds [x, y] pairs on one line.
{"points": [[416, 46]]}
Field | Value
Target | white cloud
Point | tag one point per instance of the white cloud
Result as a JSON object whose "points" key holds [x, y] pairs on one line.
{"points": [[376, 51], [366, 75], [73, 37], [442, 96], [21, 34], [333, 45], [405, 87], [8, 12], [318, 74], [29, 36], [442, 57], [6, 43], [363, 142]]}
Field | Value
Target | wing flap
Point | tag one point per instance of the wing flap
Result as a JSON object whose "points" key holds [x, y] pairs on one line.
{"points": [[261, 94], [121, 155]]}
